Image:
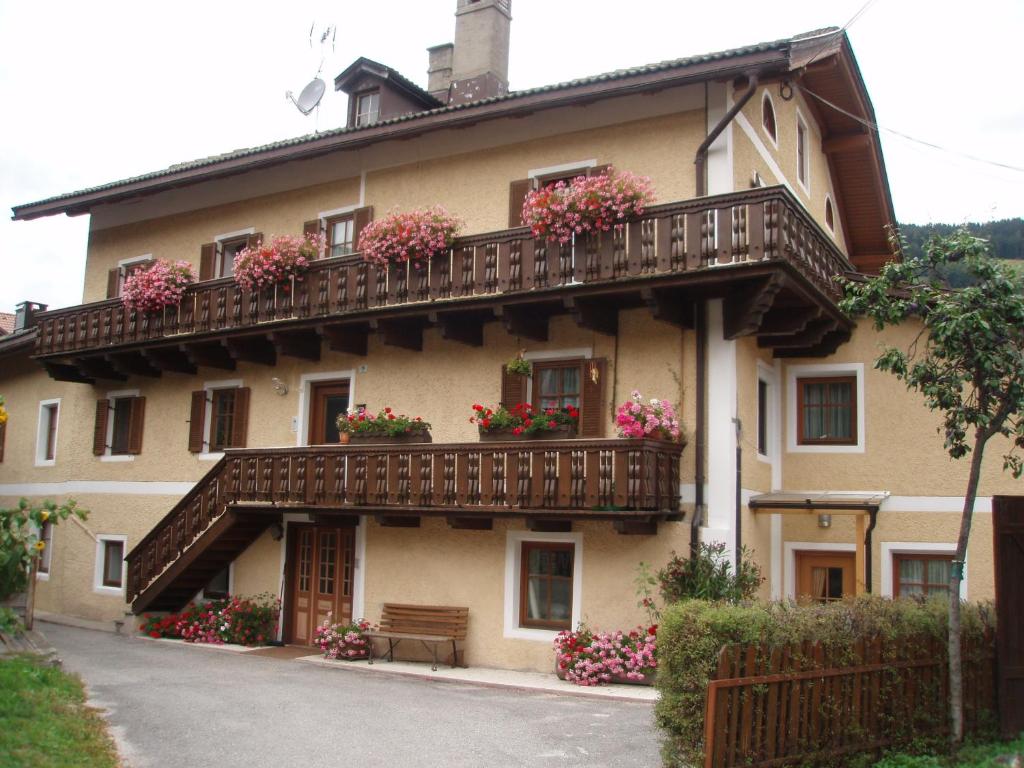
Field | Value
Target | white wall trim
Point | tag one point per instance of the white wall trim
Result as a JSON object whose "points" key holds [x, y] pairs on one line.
{"points": [[762, 150], [770, 375], [41, 434], [337, 212], [134, 260], [97, 579], [775, 583], [236, 233], [794, 372], [305, 396], [208, 386], [722, 410], [513, 556], [362, 189], [719, 158], [792, 547], [572, 353], [127, 487], [560, 168], [800, 119], [890, 548], [107, 455], [359, 571], [767, 95]]}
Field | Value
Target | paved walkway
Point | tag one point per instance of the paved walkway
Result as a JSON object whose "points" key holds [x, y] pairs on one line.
{"points": [[171, 706]]}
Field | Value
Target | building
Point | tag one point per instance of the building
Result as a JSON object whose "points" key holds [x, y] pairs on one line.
{"points": [[197, 438]]}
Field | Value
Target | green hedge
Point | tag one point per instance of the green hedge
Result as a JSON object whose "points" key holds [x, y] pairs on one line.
{"points": [[691, 634]]}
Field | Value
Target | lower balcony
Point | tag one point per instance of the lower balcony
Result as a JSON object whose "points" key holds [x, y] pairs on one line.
{"points": [[632, 483]]}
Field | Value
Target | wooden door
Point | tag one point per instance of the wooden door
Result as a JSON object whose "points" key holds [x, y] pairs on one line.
{"points": [[328, 400], [824, 576], [1008, 541], [320, 578]]}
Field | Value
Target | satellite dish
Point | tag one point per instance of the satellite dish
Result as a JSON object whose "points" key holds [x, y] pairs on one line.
{"points": [[310, 96]]}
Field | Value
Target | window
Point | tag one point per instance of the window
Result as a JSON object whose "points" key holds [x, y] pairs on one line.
{"points": [[226, 252], [222, 419], [122, 407], [126, 267], [218, 588], [367, 108], [830, 216], [768, 118], [219, 418], [545, 595], [827, 410], [109, 576], [46, 435], [762, 417], [45, 536], [341, 235], [921, 575], [117, 435], [802, 158], [556, 384]]}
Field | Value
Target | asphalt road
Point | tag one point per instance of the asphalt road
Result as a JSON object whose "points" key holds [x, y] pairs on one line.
{"points": [[170, 706]]}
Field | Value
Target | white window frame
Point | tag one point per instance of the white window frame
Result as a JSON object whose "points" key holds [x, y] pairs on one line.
{"points": [[513, 566], [824, 218], [770, 376], [47, 553], [795, 372], [306, 382], [41, 432], [773, 139], [219, 239], [97, 583], [553, 170], [109, 439], [575, 353], [890, 548], [373, 115], [208, 387], [804, 183], [323, 216], [122, 272]]}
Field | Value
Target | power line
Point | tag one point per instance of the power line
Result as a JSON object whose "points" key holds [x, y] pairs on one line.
{"points": [[842, 29]]}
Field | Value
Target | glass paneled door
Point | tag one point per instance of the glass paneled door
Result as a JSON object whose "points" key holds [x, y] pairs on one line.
{"points": [[329, 399], [824, 576], [322, 563]]}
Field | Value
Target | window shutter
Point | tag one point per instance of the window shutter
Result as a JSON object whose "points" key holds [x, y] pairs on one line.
{"points": [[136, 419], [360, 218], [99, 433], [311, 227], [517, 192], [3, 436], [196, 422], [207, 258], [240, 420], [513, 388], [254, 238], [113, 282], [592, 416], [597, 170]]}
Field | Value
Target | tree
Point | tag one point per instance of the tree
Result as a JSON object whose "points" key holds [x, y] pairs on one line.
{"points": [[967, 362], [20, 542]]}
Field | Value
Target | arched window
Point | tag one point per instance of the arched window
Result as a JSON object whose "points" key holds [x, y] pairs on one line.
{"points": [[768, 118], [830, 216]]}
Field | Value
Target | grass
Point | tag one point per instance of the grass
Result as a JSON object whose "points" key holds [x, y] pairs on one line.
{"points": [[44, 722], [980, 755]]}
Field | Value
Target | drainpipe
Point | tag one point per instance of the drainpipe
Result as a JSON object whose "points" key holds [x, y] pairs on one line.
{"points": [[739, 492], [702, 151], [867, 549], [700, 428]]}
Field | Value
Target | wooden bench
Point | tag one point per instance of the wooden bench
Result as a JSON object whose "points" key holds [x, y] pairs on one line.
{"points": [[431, 625]]}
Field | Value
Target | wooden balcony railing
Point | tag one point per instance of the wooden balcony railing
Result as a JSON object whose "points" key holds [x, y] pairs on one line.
{"points": [[758, 225], [562, 478]]}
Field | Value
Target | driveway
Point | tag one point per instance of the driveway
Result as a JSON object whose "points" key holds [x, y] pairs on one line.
{"points": [[175, 706]]}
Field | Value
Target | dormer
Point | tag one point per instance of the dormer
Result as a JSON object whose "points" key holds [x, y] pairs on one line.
{"points": [[377, 93]]}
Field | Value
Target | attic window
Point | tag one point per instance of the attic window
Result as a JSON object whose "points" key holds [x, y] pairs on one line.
{"points": [[830, 216], [768, 118], [367, 108]]}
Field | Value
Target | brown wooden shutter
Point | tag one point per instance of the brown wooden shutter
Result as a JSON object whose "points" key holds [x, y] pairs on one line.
{"points": [[360, 218], [311, 227], [517, 192], [197, 422], [592, 415], [3, 437], [136, 418], [240, 418], [207, 258], [99, 433], [597, 170], [113, 282], [254, 239], [513, 388]]}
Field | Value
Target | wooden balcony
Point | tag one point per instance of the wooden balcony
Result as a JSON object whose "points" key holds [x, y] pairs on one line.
{"points": [[634, 483], [759, 250]]}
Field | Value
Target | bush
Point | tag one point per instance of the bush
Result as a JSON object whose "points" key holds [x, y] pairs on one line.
{"points": [[708, 575], [692, 633]]}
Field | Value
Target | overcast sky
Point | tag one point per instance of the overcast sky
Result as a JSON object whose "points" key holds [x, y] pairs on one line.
{"points": [[95, 92]]}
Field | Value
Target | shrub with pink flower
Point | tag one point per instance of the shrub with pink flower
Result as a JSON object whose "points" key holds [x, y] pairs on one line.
{"points": [[343, 641], [652, 418], [592, 658], [413, 236], [587, 204], [159, 285], [284, 257]]}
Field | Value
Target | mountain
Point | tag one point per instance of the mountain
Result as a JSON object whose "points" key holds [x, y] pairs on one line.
{"points": [[1005, 235]]}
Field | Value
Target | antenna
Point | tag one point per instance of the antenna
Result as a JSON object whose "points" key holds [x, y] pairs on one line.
{"points": [[310, 97]]}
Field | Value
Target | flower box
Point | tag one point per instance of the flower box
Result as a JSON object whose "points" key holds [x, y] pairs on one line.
{"points": [[620, 678], [414, 236], [561, 432], [369, 438]]}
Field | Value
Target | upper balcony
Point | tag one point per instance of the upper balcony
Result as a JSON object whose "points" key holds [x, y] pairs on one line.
{"points": [[758, 250]]}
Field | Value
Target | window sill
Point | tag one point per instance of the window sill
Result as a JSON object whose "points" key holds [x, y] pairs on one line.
{"points": [[45, 463], [115, 457], [40, 576], [101, 590], [857, 448], [211, 456], [528, 633]]}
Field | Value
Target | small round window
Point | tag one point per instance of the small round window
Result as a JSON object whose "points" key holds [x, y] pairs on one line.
{"points": [[830, 216], [768, 118]]}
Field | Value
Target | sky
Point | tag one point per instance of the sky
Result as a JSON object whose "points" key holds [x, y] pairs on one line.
{"points": [[96, 92]]}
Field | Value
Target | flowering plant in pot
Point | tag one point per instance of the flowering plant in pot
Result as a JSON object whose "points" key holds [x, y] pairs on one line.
{"points": [[413, 236], [162, 284], [362, 427], [586, 204], [587, 658], [525, 422], [343, 641], [652, 418], [267, 264]]}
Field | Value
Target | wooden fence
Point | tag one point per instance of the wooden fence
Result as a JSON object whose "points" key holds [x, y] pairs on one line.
{"points": [[794, 704]]}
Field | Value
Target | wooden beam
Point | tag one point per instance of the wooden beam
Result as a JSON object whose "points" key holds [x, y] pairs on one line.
{"points": [[635, 527], [251, 349], [599, 316], [529, 322], [745, 309], [827, 346], [209, 355], [541, 525], [349, 339], [133, 364], [304, 345], [784, 321], [397, 521], [845, 142], [99, 368], [465, 328], [402, 334], [811, 335], [667, 308], [471, 523], [169, 359], [64, 372]]}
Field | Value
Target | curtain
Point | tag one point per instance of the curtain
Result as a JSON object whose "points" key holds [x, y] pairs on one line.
{"points": [[819, 583]]}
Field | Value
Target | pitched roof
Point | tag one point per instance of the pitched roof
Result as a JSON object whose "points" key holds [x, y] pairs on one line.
{"points": [[80, 201], [363, 65]]}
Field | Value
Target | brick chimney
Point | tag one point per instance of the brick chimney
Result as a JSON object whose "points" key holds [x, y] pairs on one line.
{"points": [[476, 66]]}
